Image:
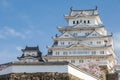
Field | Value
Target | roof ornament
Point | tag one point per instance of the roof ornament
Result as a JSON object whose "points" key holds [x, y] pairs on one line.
{"points": [[37, 46], [56, 35], [26, 46], [71, 8], [96, 8], [111, 33]]}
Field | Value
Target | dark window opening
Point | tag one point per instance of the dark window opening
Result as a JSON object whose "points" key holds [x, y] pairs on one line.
{"points": [[93, 52], [88, 21], [77, 22], [73, 22], [80, 21], [84, 21]]}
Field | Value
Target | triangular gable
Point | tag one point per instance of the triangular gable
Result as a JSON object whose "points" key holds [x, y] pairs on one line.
{"points": [[79, 45], [94, 34], [66, 35], [79, 15]]}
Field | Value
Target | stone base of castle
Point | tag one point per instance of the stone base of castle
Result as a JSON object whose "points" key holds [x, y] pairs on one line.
{"points": [[39, 76]]}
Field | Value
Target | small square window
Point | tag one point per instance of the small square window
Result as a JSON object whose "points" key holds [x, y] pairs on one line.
{"points": [[66, 35], [101, 52], [64, 53], [98, 42], [80, 21], [69, 42], [94, 34], [80, 61], [74, 34], [84, 21], [72, 61], [57, 53], [73, 22], [93, 52], [62, 43], [88, 21], [91, 42], [77, 22]]}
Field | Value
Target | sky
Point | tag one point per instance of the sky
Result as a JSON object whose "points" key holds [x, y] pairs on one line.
{"points": [[33, 22]]}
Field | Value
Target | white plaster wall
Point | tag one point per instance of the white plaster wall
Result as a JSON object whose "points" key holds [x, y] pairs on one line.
{"points": [[6, 70], [66, 43], [107, 52], [77, 63], [34, 69], [60, 43], [95, 42], [102, 31], [78, 52], [87, 42], [119, 76], [80, 74], [80, 33], [46, 68], [92, 21]]}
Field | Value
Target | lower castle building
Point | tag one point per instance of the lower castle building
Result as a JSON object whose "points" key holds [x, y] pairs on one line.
{"points": [[31, 66]]}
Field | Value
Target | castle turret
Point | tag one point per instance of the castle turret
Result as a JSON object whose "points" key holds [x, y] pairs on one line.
{"points": [[31, 54]]}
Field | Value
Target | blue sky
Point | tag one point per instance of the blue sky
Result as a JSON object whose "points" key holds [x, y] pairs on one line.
{"points": [[34, 22]]}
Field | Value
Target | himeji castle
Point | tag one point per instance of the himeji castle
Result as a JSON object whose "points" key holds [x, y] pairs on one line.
{"points": [[83, 50], [84, 40]]}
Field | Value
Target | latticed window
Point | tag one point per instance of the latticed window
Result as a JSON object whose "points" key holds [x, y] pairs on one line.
{"points": [[98, 42], [80, 61], [93, 52], [64, 53], [94, 34], [80, 21], [73, 22], [57, 53], [66, 35], [101, 52], [69, 42], [72, 61], [77, 22], [84, 21], [62, 43], [74, 34], [88, 21], [91, 42], [86, 34]]}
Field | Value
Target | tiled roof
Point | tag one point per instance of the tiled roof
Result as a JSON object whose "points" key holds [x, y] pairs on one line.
{"points": [[84, 12], [31, 48]]}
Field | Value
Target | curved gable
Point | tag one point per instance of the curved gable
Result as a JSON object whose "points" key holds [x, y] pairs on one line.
{"points": [[66, 35], [94, 34]]}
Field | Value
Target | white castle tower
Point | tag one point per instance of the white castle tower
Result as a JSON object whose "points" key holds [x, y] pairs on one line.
{"points": [[84, 40], [31, 54]]}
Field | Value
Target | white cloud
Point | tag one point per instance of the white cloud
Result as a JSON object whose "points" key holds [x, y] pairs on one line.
{"points": [[6, 32], [117, 45], [117, 41]]}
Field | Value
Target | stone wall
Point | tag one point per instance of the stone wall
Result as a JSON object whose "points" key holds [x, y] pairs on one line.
{"points": [[38, 76], [111, 76]]}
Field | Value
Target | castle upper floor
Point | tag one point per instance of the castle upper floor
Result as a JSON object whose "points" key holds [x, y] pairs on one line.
{"points": [[87, 17]]}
